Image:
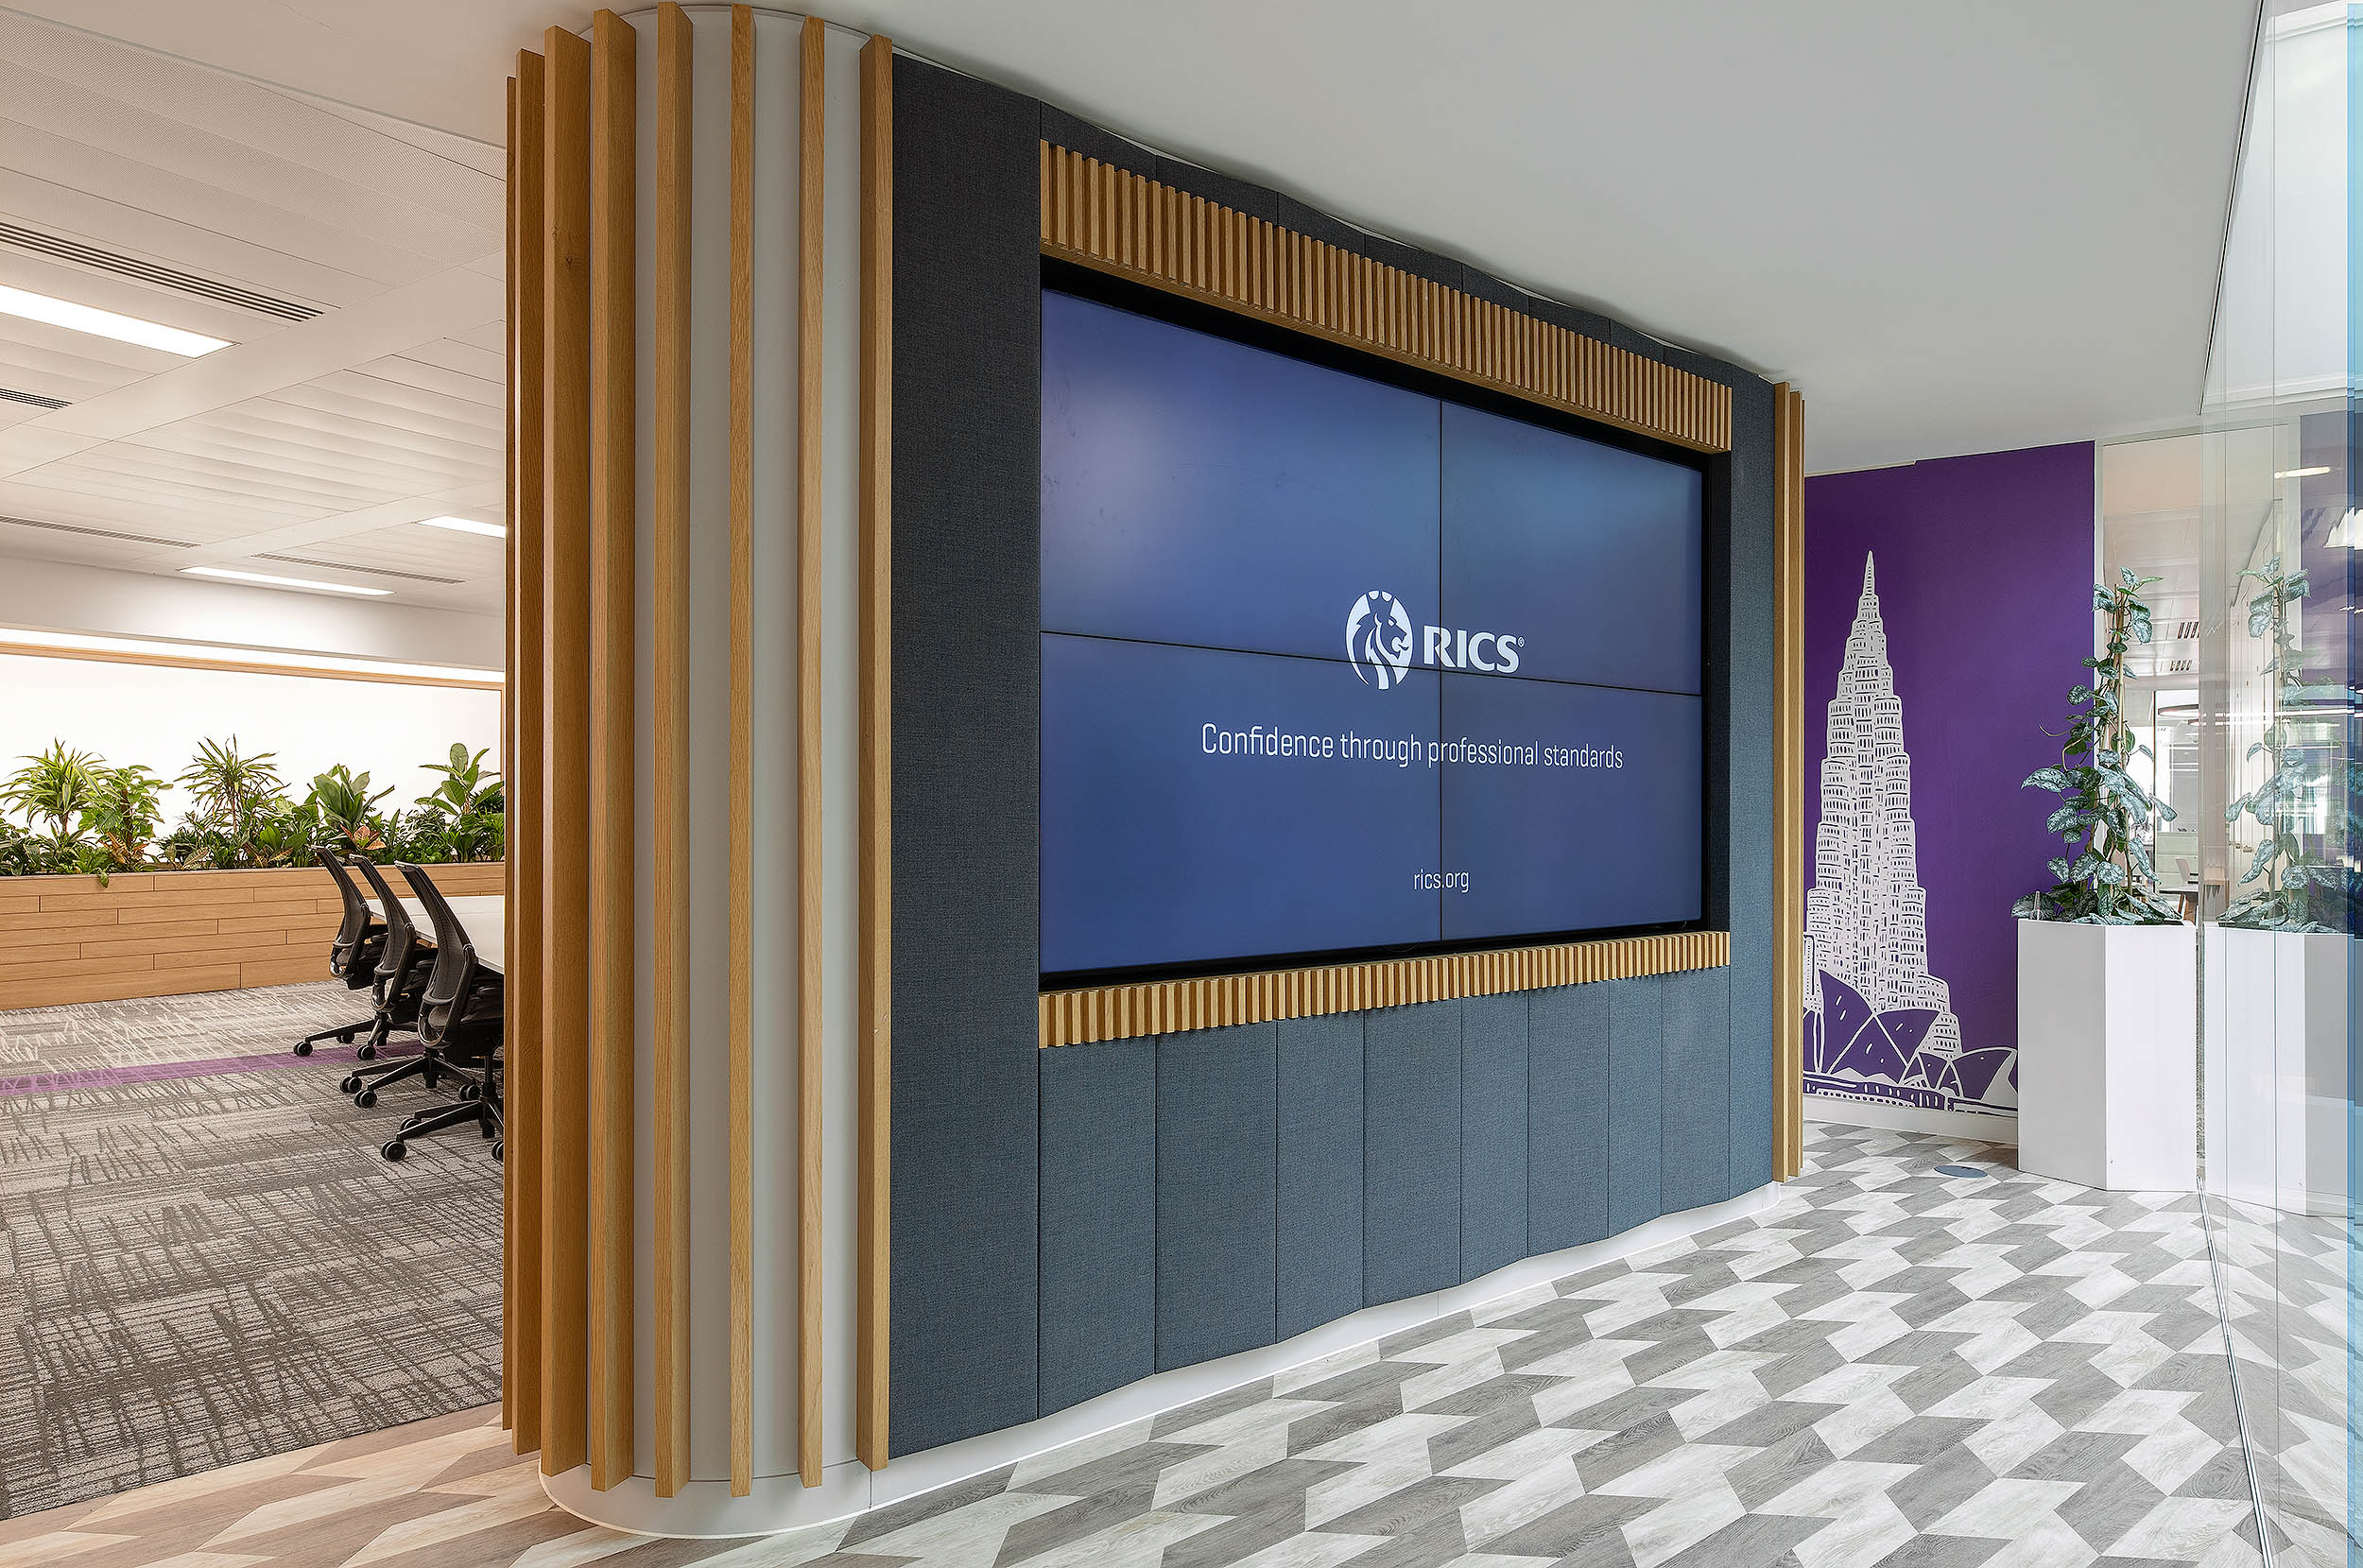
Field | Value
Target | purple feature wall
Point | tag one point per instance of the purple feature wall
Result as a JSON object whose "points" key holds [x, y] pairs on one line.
{"points": [[1947, 606]]}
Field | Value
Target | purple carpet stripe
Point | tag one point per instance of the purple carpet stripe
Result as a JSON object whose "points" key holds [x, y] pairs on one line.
{"points": [[28, 1084]]}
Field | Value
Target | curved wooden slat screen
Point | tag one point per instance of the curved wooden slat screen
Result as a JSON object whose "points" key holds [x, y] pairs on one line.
{"points": [[1788, 781], [1118, 222], [1124, 1013]]}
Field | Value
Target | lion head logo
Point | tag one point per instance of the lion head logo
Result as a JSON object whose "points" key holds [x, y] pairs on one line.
{"points": [[1378, 639]]}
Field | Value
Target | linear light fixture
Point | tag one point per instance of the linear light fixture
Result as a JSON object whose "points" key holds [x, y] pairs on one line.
{"points": [[2301, 473], [105, 323], [465, 525], [16, 639], [267, 581]]}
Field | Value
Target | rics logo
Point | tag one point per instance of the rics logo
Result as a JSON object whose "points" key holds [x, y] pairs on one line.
{"points": [[1378, 639], [1380, 644]]}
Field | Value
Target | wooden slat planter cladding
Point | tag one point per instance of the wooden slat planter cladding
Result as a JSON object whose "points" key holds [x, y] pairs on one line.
{"points": [[66, 939]]}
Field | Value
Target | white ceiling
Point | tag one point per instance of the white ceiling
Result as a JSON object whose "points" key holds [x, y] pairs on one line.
{"points": [[1957, 228], [308, 448]]}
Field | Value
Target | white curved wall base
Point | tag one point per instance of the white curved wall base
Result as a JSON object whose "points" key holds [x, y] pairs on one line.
{"points": [[705, 1509]]}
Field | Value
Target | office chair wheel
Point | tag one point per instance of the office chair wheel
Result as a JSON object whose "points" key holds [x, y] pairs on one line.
{"points": [[395, 1150], [303, 1047], [366, 1099], [366, 1052], [352, 1084], [344, 1037], [497, 1147]]}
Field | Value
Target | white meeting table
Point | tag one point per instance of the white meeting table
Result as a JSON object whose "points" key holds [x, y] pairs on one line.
{"points": [[483, 915]]}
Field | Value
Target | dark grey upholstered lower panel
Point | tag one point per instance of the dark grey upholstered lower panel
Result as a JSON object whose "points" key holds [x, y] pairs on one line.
{"points": [[1318, 1093], [1635, 1100], [1099, 1219], [1492, 1132], [967, 586], [1566, 1117], [1695, 1160], [1410, 1151], [1217, 1290], [1753, 914]]}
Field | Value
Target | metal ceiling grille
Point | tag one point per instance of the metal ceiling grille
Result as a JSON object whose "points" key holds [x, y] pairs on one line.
{"points": [[2186, 631], [349, 566], [10, 394], [163, 277], [96, 533]]}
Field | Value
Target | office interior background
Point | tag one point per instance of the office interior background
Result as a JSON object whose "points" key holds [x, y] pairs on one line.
{"points": [[608, 952]]}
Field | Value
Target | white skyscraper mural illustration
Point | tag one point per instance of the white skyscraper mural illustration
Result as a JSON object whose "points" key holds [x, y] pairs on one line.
{"points": [[1878, 1024]]}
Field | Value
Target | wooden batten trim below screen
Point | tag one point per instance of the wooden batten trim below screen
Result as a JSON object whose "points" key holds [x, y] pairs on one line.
{"points": [[875, 874], [521, 1314], [1118, 222], [1788, 781], [1165, 1007]]}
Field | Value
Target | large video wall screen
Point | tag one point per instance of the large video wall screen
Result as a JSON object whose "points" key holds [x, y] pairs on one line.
{"points": [[1330, 666]]}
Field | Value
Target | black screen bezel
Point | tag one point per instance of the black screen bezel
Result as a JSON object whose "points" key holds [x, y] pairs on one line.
{"points": [[1065, 277]]}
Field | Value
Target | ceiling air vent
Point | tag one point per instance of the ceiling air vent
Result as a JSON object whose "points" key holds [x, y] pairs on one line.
{"points": [[2185, 631], [10, 394], [163, 277], [96, 533], [349, 566], [2177, 666]]}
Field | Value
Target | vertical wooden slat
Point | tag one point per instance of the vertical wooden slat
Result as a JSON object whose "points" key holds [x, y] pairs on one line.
{"points": [[811, 213], [566, 883], [521, 1047], [1788, 784], [742, 703], [509, 1238], [877, 647], [614, 461], [668, 778]]}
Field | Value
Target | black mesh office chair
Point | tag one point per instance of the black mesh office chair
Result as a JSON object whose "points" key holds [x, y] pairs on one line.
{"points": [[396, 984], [459, 1027], [353, 955]]}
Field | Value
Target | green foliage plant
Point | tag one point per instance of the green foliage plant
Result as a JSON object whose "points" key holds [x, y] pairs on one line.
{"points": [[2103, 875], [346, 810], [465, 783], [124, 810], [2292, 885], [54, 787]]}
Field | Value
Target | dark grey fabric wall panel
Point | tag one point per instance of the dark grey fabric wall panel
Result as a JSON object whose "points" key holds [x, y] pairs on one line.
{"points": [[1566, 1117], [1492, 1132], [1318, 1092], [1749, 574], [1635, 1100], [1695, 1163], [1410, 1150], [1217, 1284], [1099, 1219], [967, 498]]}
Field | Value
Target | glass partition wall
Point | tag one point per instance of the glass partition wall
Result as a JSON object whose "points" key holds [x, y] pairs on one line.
{"points": [[2275, 742]]}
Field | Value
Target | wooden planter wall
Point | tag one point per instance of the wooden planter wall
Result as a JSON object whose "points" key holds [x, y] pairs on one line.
{"points": [[66, 939]]}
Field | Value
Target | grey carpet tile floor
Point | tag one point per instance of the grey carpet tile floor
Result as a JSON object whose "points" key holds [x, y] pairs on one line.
{"points": [[204, 1258], [1889, 1367]]}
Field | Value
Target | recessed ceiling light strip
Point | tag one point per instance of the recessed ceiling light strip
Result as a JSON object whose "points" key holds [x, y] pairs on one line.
{"points": [[166, 276], [265, 580], [76, 316], [465, 525]]}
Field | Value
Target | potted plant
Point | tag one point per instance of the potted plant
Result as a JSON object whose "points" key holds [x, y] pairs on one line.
{"points": [[2107, 972], [2277, 959], [55, 788]]}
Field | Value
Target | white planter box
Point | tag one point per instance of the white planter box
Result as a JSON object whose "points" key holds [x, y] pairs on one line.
{"points": [[2277, 1068], [2108, 1055]]}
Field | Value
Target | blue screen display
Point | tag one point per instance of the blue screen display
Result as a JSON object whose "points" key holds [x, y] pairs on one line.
{"points": [[1328, 665]]}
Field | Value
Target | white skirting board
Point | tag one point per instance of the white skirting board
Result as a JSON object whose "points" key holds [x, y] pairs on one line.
{"points": [[706, 1508], [1972, 1124]]}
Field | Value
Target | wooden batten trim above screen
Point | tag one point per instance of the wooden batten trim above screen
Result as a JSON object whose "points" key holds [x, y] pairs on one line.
{"points": [[1115, 221], [1165, 1007]]}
